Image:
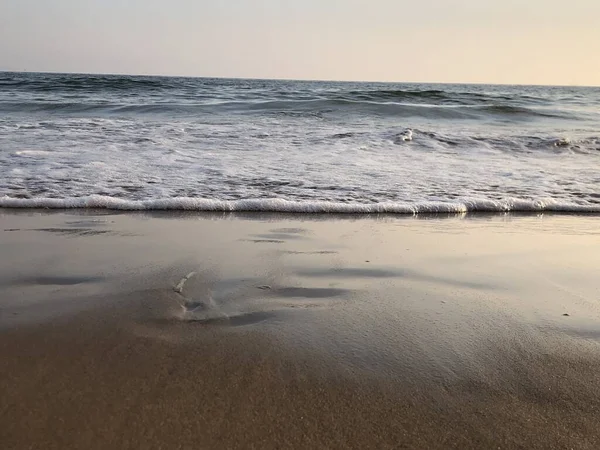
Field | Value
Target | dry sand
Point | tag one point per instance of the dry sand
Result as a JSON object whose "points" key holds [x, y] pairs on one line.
{"points": [[298, 332]]}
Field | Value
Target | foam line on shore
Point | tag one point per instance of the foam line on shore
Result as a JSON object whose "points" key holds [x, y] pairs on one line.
{"points": [[305, 207]]}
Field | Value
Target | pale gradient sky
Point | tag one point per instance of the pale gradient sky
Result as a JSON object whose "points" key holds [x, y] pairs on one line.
{"points": [[485, 41]]}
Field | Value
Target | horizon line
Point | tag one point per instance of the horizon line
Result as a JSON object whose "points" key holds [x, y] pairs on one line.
{"points": [[314, 80]]}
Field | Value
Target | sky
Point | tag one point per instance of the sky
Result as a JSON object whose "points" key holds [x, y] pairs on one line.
{"points": [[455, 41]]}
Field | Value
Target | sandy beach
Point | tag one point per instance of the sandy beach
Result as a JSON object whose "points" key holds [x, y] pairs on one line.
{"points": [[187, 331]]}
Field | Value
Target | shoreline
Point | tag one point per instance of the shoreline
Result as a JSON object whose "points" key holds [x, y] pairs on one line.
{"points": [[255, 215], [298, 331], [317, 207]]}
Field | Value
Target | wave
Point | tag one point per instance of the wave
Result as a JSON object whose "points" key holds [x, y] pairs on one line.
{"points": [[255, 89], [519, 110], [113, 95], [54, 107], [434, 95], [284, 107], [305, 207], [83, 83]]}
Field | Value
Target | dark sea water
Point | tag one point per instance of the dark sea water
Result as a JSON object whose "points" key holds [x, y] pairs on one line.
{"points": [[130, 142]]}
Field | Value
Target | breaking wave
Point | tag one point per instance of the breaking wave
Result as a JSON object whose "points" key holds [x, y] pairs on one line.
{"points": [[285, 107], [305, 207]]}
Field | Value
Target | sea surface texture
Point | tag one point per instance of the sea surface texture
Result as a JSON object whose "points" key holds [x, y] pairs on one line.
{"points": [[132, 142]]}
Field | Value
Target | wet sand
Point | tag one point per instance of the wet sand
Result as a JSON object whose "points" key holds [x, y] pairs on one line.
{"points": [[264, 331]]}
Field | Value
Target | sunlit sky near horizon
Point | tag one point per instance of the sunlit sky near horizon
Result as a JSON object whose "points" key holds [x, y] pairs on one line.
{"points": [[460, 41]]}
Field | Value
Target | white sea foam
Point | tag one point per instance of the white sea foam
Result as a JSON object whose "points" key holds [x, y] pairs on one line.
{"points": [[406, 135], [32, 153], [305, 207]]}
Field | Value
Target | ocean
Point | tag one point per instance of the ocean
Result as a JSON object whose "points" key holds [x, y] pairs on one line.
{"points": [[145, 143]]}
